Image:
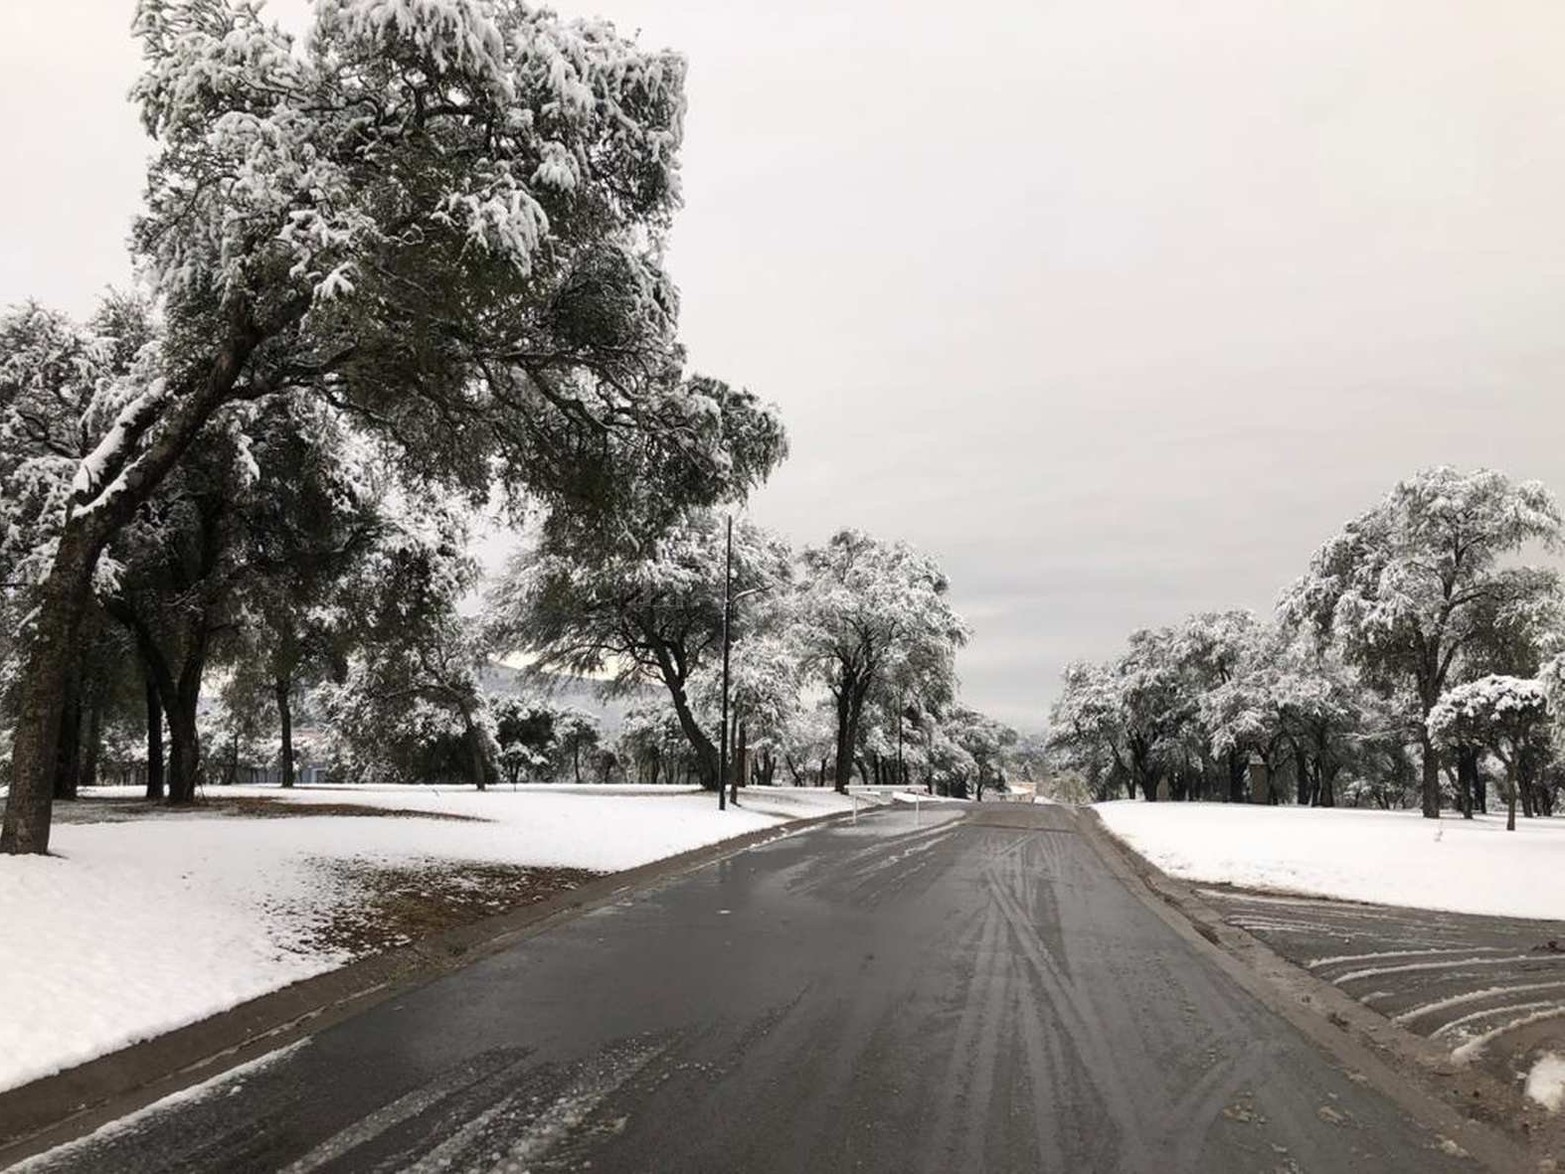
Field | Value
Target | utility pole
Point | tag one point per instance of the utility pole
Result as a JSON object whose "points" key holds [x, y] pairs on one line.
{"points": [[728, 602]]}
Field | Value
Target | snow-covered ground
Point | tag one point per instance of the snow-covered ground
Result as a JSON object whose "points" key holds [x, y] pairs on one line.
{"points": [[136, 927], [1388, 857]]}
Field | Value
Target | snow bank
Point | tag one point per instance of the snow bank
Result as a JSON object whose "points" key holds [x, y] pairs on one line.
{"points": [[1387, 857], [138, 927]]}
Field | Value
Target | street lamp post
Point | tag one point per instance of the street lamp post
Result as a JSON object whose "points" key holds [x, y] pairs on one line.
{"points": [[728, 603]]}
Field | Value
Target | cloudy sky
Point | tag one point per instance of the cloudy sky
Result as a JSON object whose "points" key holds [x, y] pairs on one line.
{"points": [[1119, 307]]}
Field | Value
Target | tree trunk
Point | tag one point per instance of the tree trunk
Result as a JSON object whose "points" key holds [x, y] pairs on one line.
{"points": [[479, 767], [68, 758], [706, 752], [184, 749], [1326, 784], [741, 762], [283, 690], [54, 650], [155, 776], [92, 741], [843, 767], [1466, 778], [1238, 776], [1431, 788], [184, 735], [1510, 798]]}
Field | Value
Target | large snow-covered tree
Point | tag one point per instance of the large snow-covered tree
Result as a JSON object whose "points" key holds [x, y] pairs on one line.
{"points": [[1221, 660], [871, 613], [636, 617], [1506, 715], [443, 217], [1408, 588], [1120, 723]]}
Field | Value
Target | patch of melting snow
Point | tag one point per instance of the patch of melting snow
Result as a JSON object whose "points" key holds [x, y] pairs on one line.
{"points": [[1546, 1082], [1314, 962], [1456, 1025], [1472, 1047], [1373, 971], [1473, 997]]}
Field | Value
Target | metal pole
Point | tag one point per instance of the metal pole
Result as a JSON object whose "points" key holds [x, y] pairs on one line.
{"points": [[728, 600]]}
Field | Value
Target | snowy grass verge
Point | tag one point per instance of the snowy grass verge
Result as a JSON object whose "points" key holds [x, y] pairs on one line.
{"points": [[1385, 857], [135, 927]]}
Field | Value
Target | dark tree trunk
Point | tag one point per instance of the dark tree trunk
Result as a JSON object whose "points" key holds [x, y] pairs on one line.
{"points": [[1466, 778], [1431, 784], [155, 774], [184, 736], [184, 758], [705, 751], [842, 770], [52, 655], [480, 769], [92, 741], [1238, 776], [68, 759], [283, 690], [741, 762]]}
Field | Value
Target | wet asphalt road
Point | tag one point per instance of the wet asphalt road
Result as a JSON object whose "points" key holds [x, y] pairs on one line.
{"points": [[976, 994]]}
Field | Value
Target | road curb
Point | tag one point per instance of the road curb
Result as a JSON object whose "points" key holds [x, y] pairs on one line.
{"points": [[1485, 1117], [54, 1109]]}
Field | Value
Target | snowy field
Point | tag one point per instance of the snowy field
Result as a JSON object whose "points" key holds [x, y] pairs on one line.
{"points": [[135, 927], [1388, 857]]}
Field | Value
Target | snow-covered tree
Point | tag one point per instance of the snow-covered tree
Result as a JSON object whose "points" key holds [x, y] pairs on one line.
{"points": [[54, 376], [1505, 714], [1087, 731], [985, 742], [407, 703], [1118, 724], [871, 613], [651, 737], [763, 692], [445, 218], [1409, 588], [1223, 660], [634, 616]]}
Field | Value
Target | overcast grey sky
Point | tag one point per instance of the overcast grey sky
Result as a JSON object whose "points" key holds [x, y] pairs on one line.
{"points": [[1118, 307]]}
